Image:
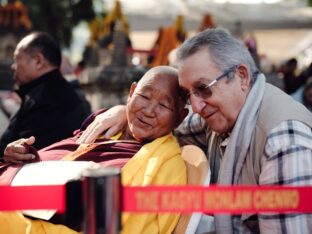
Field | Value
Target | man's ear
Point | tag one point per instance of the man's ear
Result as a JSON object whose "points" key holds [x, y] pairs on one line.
{"points": [[181, 117], [132, 88], [244, 76], [39, 60]]}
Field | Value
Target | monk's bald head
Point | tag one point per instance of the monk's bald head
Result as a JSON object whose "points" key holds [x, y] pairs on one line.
{"points": [[169, 76]]}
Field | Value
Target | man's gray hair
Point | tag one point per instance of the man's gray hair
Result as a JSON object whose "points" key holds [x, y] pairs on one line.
{"points": [[225, 50]]}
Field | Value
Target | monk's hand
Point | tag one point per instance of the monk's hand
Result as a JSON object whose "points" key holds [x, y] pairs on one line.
{"points": [[18, 151], [111, 122]]}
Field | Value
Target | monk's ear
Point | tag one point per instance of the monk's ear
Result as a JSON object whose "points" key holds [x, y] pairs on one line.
{"points": [[132, 88], [181, 117]]}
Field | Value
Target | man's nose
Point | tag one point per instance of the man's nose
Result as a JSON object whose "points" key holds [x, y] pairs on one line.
{"points": [[197, 104]]}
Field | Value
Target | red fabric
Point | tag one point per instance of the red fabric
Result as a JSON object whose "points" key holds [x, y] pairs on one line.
{"points": [[101, 154], [33, 197], [112, 154]]}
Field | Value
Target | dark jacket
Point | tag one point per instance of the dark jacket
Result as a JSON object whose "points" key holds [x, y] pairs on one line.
{"points": [[50, 111]]}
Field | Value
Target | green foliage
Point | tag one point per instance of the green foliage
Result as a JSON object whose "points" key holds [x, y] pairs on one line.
{"points": [[58, 17]]}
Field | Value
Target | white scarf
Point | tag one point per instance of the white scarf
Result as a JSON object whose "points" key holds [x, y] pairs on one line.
{"points": [[238, 146]]}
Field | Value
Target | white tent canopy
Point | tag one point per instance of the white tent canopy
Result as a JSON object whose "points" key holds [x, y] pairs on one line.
{"points": [[283, 29], [144, 14]]}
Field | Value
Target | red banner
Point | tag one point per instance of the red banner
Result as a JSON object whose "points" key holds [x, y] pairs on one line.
{"points": [[217, 199], [32, 197], [185, 199]]}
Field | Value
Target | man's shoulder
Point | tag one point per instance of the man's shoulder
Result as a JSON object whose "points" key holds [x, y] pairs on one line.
{"points": [[290, 133], [55, 91], [277, 107], [192, 124]]}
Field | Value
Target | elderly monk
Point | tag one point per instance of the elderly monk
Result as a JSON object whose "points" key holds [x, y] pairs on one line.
{"points": [[154, 108]]}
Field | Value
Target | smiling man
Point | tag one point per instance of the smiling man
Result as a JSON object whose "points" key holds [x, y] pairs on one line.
{"points": [[253, 133]]}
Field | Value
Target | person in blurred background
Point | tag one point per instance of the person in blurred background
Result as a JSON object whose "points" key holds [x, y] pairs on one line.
{"points": [[304, 94], [307, 96], [251, 44], [50, 108], [68, 71], [291, 80]]}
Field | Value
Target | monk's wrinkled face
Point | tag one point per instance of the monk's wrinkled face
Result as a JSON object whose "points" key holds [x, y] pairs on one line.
{"points": [[152, 108]]}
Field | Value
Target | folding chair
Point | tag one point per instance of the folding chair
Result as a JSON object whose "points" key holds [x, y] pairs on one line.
{"points": [[198, 173]]}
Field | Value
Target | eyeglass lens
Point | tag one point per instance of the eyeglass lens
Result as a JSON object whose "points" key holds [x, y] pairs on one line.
{"points": [[204, 91]]}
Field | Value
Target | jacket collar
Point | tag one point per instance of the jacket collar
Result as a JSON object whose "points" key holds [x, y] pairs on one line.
{"points": [[26, 88]]}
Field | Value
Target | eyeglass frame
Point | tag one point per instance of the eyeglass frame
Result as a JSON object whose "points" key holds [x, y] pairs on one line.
{"points": [[199, 94]]}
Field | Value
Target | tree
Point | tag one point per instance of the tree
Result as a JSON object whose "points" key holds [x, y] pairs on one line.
{"points": [[59, 17]]}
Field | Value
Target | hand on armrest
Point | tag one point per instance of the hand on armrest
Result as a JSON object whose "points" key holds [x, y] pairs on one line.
{"points": [[111, 121]]}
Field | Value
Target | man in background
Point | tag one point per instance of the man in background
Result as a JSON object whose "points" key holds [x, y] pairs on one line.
{"points": [[50, 108]]}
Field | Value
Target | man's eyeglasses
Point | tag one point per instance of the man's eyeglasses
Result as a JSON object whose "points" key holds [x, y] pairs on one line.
{"points": [[204, 90]]}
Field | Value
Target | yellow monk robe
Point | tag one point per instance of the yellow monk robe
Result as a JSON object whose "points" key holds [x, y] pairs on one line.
{"points": [[156, 163], [16, 223]]}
